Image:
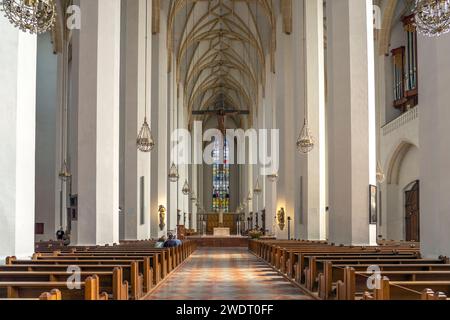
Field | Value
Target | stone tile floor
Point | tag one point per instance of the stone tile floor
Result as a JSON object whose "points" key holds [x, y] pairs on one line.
{"points": [[226, 274]]}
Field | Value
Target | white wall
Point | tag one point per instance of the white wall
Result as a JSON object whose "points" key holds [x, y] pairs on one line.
{"points": [[47, 210]]}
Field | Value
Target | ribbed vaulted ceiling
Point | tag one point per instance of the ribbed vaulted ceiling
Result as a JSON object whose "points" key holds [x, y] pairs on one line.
{"points": [[221, 48]]}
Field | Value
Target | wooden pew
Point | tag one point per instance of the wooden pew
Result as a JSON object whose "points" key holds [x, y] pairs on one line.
{"points": [[150, 262], [386, 289], [55, 294], [316, 266], [336, 272], [110, 282], [20, 290], [128, 270], [136, 278]]}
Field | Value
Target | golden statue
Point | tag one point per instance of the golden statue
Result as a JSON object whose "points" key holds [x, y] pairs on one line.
{"points": [[162, 217], [281, 217]]}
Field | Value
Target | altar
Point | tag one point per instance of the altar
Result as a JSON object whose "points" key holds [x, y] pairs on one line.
{"points": [[220, 224], [222, 232]]}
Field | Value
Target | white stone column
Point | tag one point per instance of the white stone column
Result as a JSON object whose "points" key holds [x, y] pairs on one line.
{"points": [[313, 164], [351, 119], [434, 131], [270, 120], [160, 128], [48, 138], [137, 164], [289, 97], [98, 46], [17, 136]]}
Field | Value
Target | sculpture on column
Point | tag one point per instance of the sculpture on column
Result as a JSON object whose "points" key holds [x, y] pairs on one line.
{"points": [[162, 217], [178, 217], [257, 220], [184, 218], [281, 217]]}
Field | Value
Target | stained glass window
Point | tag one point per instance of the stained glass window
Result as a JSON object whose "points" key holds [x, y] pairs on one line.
{"points": [[221, 178]]}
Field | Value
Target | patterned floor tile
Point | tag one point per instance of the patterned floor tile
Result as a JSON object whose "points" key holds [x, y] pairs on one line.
{"points": [[226, 274]]}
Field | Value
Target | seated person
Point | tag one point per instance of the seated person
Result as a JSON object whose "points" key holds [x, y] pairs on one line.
{"points": [[160, 243], [178, 241], [170, 243], [60, 234], [66, 239]]}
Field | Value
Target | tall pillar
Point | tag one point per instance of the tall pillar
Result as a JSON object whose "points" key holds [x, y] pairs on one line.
{"points": [[137, 164], [289, 97], [313, 164], [17, 136], [160, 128], [98, 46], [48, 139], [434, 95], [270, 124], [351, 119]]}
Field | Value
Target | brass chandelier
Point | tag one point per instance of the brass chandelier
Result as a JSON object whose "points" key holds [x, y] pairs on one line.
{"points": [[34, 16], [186, 189], [305, 142], [432, 17], [173, 173], [144, 141]]}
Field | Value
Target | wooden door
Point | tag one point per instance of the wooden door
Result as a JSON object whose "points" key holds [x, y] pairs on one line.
{"points": [[412, 213]]}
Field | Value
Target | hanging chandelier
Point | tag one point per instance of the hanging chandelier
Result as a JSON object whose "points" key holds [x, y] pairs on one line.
{"points": [[305, 142], [34, 16], [273, 177], [432, 17], [64, 174], [257, 189], [186, 188], [173, 173], [145, 142]]}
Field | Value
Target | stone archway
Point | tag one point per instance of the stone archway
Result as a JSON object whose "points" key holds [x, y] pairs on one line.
{"points": [[403, 167]]}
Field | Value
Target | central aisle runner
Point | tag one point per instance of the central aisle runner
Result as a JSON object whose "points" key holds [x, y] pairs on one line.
{"points": [[226, 274]]}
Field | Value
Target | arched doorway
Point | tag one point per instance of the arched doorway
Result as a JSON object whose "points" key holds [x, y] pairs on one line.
{"points": [[412, 212]]}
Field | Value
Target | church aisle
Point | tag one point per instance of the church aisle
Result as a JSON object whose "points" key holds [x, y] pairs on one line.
{"points": [[226, 274]]}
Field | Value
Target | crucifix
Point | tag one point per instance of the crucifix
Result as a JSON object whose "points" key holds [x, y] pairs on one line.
{"points": [[221, 115]]}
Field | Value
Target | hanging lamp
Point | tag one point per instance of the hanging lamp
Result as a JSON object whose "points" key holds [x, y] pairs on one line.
{"points": [[432, 17], [273, 177], [145, 142], [305, 141], [65, 174], [173, 173], [34, 16], [257, 191], [186, 188]]}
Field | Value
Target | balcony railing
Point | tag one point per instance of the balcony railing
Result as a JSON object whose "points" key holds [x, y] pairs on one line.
{"points": [[399, 122]]}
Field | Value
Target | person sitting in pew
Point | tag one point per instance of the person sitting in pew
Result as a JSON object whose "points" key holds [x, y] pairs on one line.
{"points": [[160, 243], [171, 242], [60, 234], [178, 241]]}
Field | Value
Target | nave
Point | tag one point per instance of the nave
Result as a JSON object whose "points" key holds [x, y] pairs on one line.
{"points": [[226, 274]]}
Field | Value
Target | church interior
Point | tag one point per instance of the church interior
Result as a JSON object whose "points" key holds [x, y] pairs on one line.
{"points": [[224, 149]]}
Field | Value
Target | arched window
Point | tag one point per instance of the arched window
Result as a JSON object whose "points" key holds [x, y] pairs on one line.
{"points": [[221, 178]]}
